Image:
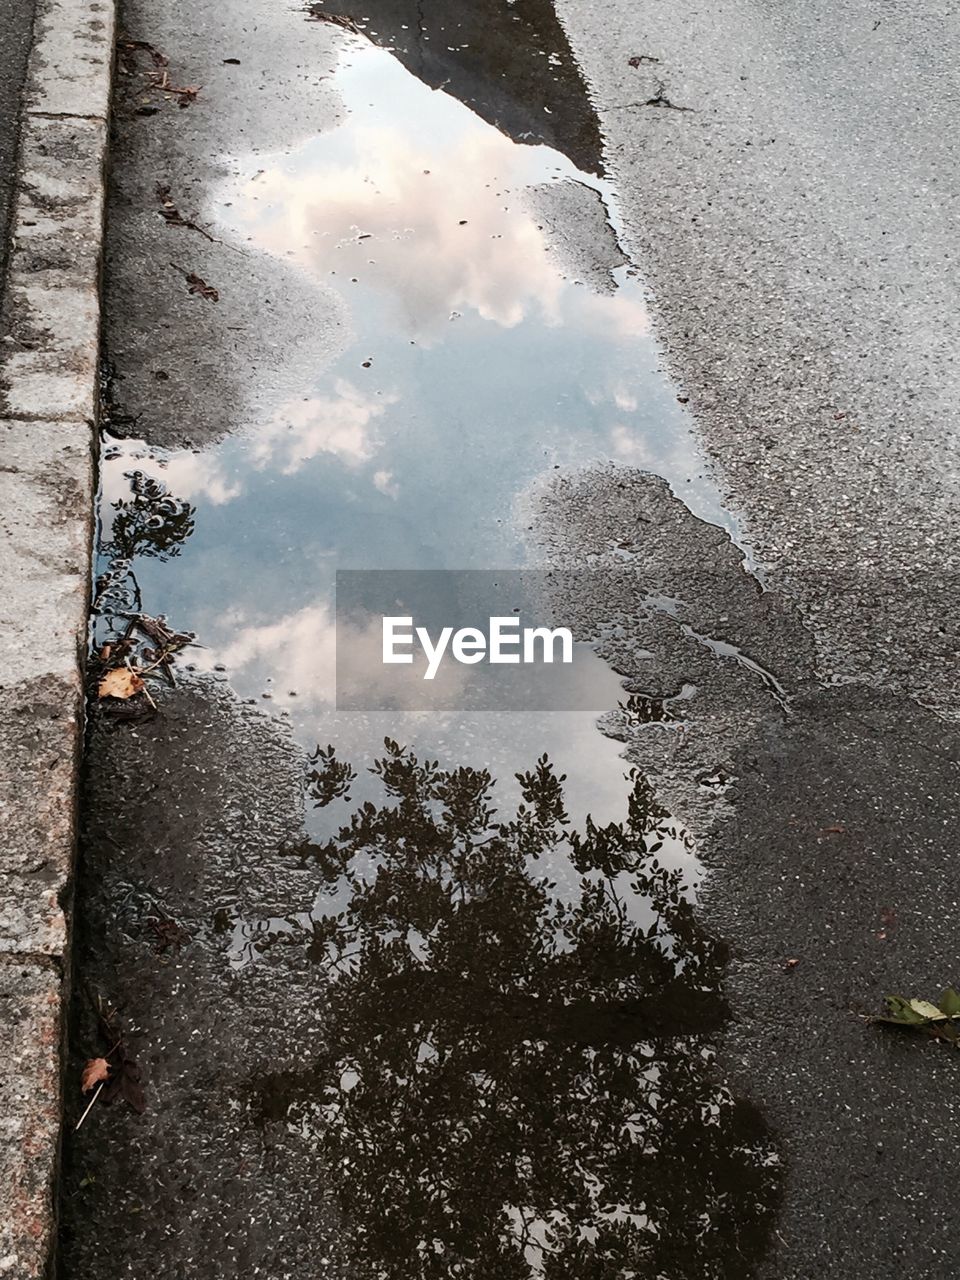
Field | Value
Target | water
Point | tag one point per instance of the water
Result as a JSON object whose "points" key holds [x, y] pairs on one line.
{"points": [[480, 360], [483, 935]]}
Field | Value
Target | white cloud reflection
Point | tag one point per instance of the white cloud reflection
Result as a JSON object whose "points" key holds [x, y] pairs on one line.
{"points": [[187, 475], [433, 216], [342, 424], [297, 653]]}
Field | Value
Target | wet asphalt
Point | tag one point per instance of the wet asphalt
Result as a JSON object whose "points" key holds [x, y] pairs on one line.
{"points": [[16, 20], [793, 227], [815, 762]]}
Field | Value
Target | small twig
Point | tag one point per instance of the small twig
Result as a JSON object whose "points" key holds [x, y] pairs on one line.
{"points": [[89, 1105]]}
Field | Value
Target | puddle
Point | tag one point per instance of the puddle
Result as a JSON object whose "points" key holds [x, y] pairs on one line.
{"points": [[483, 357], [513, 1075]]}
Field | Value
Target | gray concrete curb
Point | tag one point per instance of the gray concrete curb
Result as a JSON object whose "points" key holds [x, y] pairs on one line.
{"points": [[48, 419]]}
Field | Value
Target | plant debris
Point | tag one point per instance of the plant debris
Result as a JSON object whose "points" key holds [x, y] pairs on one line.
{"points": [[129, 47], [147, 647], [114, 1075], [315, 13], [196, 284], [167, 934], [174, 218], [120, 682], [938, 1020], [661, 100], [159, 78], [184, 94], [95, 1072], [639, 59]]}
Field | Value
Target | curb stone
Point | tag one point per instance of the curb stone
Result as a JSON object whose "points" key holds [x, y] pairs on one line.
{"points": [[48, 419]]}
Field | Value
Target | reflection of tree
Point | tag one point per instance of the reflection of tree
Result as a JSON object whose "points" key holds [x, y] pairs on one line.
{"points": [[516, 1080], [149, 523]]}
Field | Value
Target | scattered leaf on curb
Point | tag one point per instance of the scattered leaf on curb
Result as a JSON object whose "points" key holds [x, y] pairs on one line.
{"points": [[639, 59], [94, 1072], [120, 683]]}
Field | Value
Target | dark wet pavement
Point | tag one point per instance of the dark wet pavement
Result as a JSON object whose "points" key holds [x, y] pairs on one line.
{"points": [[442, 1008], [443, 1018], [17, 20]]}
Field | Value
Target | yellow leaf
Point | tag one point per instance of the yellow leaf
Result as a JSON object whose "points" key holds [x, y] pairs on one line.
{"points": [[120, 683]]}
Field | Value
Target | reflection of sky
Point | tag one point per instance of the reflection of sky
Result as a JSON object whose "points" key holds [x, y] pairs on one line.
{"points": [[476, 366]]}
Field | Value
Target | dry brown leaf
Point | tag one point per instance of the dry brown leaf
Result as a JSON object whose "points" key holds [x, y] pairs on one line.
{"points": [[95, 1072], [120, 683]]}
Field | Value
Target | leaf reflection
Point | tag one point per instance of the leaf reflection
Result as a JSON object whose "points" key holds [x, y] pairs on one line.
{"points": [[518, 1079]]}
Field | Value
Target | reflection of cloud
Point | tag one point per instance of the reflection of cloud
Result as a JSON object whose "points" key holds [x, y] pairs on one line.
{"points": [[617, 316], [194, 475], [384, 481], [342, 424], [187, 475], [414, 214], [629, 447], [298, 653]]}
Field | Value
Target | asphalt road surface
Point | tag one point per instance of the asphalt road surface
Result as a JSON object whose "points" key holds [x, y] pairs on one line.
{"points": [[727, 410], [16, 20]]}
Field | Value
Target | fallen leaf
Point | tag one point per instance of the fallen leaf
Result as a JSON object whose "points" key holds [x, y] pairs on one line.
{"points": [[927, 1009], [120, 683], [939, 1021], [639, 58], [95, 1072]]}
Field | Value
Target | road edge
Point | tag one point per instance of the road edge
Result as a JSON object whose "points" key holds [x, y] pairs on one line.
{"points": [[49, 373]]}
